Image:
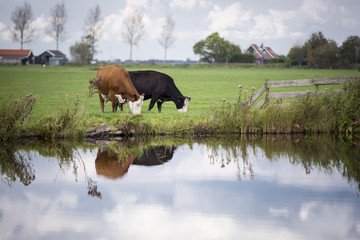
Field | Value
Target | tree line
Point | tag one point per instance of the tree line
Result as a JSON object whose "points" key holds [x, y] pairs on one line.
{"points": [[215, 49], [316, 52], [320, 52], [83, 51]]}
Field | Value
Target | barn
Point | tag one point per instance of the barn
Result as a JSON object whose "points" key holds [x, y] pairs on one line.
{"points": [[51, 58], [16, 57], [263, 55]]}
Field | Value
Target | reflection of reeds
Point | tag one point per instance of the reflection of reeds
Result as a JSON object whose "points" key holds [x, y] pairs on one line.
{"points": [[317, 152]]}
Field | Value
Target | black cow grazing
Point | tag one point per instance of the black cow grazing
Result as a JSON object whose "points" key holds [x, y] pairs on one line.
{"points": [[160, 88]]}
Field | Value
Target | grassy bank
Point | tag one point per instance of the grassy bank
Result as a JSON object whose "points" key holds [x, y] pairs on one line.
{"points": [[62, 92]]}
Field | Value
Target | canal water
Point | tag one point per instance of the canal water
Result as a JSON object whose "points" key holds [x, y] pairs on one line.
{"points": [[270, 187]]}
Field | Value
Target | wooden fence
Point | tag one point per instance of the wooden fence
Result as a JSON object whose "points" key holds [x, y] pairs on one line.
{"points": [[295, 83]]}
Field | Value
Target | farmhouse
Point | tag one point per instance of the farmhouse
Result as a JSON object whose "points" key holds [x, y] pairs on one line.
{"points": [[16, 57], [263, 55], [51, 58]]}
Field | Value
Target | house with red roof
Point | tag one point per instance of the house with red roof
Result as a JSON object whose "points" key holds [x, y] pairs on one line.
{"points": [[16, 57], [263, 55]]}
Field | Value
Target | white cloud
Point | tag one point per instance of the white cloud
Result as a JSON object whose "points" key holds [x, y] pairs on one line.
{"points": [[314, 10], [349, 23], [246, 24], [189, 4], [42, 24], [230, 17], [137, 3], [2, 26]]}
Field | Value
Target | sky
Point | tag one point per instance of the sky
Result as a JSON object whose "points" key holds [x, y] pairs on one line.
{"points": [[279, 24]]}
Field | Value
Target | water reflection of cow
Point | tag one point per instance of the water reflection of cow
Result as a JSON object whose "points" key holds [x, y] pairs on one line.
{"points": [[112, 165]]}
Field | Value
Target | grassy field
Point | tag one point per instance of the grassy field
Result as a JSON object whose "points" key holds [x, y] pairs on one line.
{"points": [[56, 87]]}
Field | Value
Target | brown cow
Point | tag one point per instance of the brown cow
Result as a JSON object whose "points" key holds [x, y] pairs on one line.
{"points": [[115, 81]]}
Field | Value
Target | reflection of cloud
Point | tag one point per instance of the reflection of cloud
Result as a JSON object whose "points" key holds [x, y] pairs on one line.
{"points": [[305, 210], [189, 197]]}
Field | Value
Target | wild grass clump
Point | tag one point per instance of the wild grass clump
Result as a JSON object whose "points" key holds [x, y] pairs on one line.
{"points": [[68, 123], [12, 117], [329, 112]]}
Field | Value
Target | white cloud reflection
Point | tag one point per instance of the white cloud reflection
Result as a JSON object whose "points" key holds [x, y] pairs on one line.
{"points": [[189, 197]]}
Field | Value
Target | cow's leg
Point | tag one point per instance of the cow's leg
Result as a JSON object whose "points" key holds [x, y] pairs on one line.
{"points": [[152, 102], [113, 101], [159, 105], [101, 102]]}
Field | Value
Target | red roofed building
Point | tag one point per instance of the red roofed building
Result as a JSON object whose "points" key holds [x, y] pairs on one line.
{"points": [[16, 57], [263, 55]]}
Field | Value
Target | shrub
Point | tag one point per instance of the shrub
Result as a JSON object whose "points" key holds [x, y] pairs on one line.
{"points": [[13, 115]]}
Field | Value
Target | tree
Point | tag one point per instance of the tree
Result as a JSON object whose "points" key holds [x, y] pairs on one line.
{"points": [[238, 57], [93, 29], [297, 54], [317, 52], [213, 49], [23, 30], [58, 20], [133, 29], [350, 50], [326, 55], [167, 37], [81, 52]]}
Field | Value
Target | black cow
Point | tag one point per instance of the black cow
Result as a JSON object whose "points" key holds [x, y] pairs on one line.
{"points": [[160, 88]]}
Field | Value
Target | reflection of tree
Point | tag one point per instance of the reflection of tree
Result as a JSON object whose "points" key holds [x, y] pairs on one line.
{"points": [[15, 165], [320, 152], [230, 150]]}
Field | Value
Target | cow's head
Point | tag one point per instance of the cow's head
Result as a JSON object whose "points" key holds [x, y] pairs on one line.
{"points": [[135, 107], [183, 103]]}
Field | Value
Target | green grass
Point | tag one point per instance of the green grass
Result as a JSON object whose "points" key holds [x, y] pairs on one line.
{"points": [[56, 87]]}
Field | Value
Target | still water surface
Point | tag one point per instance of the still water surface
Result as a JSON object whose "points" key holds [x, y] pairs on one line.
{"points": [[288, 187]]}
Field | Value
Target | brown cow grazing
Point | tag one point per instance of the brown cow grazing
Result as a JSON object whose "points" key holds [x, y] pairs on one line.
{"points": [[115, 81]]}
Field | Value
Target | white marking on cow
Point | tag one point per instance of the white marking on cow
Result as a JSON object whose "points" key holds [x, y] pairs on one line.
{"points": [[117, 96], [135, 107], [186, 104], [106, 97], [120, 99]]}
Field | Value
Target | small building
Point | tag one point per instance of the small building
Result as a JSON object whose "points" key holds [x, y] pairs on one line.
{"points": [[263, 55], [16, 57], [51, 58]]}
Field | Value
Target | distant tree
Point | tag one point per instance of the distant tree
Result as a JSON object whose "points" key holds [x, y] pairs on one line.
{"points": [[317, 52], [316, 40], [326, 55], [214, 49], [58, 20], [297, 54], [167, 37], [93, 28], [23, 30], [133, 29], [81, 52], [238, 57], [350, 50]]}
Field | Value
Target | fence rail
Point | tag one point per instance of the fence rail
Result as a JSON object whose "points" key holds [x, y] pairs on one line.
{"points": [[295, 83]]}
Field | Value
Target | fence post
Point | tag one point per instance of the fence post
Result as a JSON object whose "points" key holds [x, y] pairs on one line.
{"points": [[316, 85], [267, 92]]}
